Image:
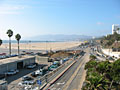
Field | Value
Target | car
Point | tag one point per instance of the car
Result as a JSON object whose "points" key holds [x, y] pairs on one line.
{"points": [[110, 58], [40, 71], [16, 70], [7, 56], [52, 67], [26, 78], [22, 83], [97, 54], [28, 87], [33, 74], [35, 88], [31, 66], [11, 72], [14, 55], [2, 57], [37, 73], [29, 80]]}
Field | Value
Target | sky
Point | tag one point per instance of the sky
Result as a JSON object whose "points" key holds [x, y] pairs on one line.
{"points": [[43, 17]]}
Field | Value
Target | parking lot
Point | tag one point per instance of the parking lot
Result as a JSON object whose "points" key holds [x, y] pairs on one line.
{"points": [[15, 79]]}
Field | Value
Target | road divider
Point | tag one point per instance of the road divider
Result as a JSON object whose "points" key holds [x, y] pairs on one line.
{"points": [[51, 73], [57, 77]]}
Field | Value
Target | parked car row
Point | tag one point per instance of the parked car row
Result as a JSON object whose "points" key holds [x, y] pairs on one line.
{"points": [[28, 53], [7, 56], [30, 79], [15, 71]]}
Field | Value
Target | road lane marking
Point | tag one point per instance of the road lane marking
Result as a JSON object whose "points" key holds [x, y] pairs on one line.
{"points": [[60, 83]]}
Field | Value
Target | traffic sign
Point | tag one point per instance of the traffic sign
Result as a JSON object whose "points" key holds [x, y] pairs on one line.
{"points": [[39, 82]]}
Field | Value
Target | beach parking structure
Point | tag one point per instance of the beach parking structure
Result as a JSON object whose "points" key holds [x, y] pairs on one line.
{"points": [[15, 63]]}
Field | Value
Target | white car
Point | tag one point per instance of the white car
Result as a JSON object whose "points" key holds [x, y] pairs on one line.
{"points": [[24, 78], [28, 80], [39, 72], [12, 72], [29, 87], [22, 84], [31, 66]]}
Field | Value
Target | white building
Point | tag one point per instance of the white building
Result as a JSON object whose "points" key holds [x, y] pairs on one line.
{"points": [[115, 28]]}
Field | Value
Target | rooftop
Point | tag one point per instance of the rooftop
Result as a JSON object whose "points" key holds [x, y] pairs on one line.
{"points": [[13, 59]]}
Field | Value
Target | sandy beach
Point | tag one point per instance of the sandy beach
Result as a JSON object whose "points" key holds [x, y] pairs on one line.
{"points": [[42, 45]]}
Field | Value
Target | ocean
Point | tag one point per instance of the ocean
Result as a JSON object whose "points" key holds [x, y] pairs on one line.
{"points": [[29, 41]]}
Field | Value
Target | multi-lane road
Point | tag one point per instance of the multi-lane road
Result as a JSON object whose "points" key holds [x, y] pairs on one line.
{"points": [[65, 80], [73, 78]]}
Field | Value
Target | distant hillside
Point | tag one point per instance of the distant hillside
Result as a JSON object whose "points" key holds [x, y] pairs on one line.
{"points": [[110, 41], [60, 37]]}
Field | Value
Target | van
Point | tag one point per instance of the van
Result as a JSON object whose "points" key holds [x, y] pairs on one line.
{"points": [[3, 85]]}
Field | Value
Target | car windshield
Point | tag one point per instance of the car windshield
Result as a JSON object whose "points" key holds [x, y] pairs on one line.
{"points": [[11, 71]]}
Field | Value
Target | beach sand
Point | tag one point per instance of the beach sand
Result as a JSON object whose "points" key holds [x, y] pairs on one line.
{"points": [[43, 45]]}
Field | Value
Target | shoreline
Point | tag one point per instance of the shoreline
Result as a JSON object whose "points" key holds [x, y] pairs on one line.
{"points": [[46, 46]]}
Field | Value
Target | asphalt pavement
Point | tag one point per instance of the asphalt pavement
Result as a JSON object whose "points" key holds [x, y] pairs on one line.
{"points": [[62, 81]]}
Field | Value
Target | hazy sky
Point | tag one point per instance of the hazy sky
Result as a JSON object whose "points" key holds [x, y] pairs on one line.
{"points": [[40, 17]]}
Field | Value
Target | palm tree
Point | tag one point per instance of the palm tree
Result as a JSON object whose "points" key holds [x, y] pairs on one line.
{"points": [[10, 34], [18, 37], [0, 42]]}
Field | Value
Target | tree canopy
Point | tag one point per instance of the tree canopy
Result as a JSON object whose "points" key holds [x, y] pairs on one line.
{"points": [[102, 75], [1, 42], [10, 33]]}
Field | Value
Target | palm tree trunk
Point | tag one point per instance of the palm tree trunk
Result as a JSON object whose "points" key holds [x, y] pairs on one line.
{"points": [[111, 85], [10, 46], [18, 49]]}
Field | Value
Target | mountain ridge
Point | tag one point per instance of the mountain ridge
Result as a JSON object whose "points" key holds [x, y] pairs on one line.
{"points": [[59, 37]]}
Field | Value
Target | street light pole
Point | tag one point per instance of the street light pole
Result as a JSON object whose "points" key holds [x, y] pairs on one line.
{"points": [[46, 78]]}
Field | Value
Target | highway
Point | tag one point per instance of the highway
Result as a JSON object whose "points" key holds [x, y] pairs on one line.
{"points": [[96, 53], [14, 80], [70, 80], [51, 77]]}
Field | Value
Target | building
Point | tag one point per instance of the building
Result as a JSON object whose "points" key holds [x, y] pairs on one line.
{"points": [[42, 59], [115, 28], [15, 63]]}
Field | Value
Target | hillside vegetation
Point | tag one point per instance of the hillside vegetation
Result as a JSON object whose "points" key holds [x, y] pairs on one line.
{"points": [[109, 40], [102, 75]]}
